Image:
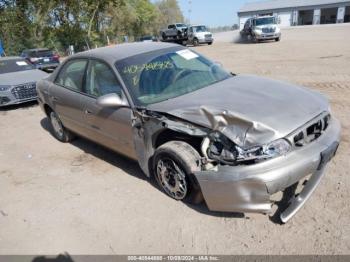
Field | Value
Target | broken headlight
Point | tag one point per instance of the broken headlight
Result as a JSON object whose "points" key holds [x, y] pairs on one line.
{"points": [[223, 150], [276, 148]]}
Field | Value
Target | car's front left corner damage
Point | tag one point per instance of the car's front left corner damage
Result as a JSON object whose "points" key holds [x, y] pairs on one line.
{"points": [[222, 189]]}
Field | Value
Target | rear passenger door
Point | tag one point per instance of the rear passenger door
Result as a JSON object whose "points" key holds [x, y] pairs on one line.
{"points": [[110, 127], [65, 95]]}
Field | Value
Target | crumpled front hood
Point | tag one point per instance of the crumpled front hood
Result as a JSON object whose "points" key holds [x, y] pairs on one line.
{"points": [[22, 77], [249, 110]]}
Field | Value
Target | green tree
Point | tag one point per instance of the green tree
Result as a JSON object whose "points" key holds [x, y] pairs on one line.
{"points": [[15, 26], [85, 24], [170, 12]]}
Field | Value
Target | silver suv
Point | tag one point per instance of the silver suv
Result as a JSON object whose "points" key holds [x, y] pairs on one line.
{"points": [[262, 28]]}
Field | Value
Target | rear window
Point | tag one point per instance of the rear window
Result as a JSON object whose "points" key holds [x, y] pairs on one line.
{"points": [[41, 53], [14, 65]]}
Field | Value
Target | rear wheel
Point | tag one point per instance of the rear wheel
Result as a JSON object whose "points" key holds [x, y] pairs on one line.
{"points": [[59, 131], [174, 165]]}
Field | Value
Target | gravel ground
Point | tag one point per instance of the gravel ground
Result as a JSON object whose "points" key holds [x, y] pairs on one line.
{"points": [[84, 199]]}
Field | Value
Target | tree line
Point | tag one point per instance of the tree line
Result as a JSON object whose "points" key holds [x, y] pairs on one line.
{"points": [[85, 24]]}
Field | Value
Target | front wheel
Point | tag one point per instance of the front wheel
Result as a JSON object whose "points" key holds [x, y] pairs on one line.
{"points": [[210, 43], [59, 131], [195, 42], [164, 37], [277, 39], [174, 164]]}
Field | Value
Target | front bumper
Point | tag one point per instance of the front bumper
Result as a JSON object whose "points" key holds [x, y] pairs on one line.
{"points": [[248, 188], [9, 97], [267, 36], [205, 40]]}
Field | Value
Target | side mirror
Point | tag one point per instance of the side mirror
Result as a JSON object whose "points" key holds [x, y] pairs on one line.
{"points": [[111, 101], [218, 64]]}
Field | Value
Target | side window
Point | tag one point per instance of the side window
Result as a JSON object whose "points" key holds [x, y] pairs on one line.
{"points": [[101, 80], [72, 74]]}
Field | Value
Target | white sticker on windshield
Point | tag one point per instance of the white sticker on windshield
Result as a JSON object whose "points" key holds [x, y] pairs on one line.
{"points": [[187, 54], [21, 63]]}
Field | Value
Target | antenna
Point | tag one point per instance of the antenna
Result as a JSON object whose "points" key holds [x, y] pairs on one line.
{"points": [[189, 11]]}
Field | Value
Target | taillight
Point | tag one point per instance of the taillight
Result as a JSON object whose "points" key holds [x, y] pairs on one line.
{"points": [[33, 59], [57, 57]]}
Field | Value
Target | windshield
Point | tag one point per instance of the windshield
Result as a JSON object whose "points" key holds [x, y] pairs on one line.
{"points": [[201, 28], [168, 73], [265, 21], [41, 53], [14, 65], [180, 25]]}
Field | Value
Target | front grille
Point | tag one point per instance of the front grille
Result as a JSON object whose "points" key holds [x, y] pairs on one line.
{"points": [[24, 91], [312, 130], [268, 30], [208, 35]]}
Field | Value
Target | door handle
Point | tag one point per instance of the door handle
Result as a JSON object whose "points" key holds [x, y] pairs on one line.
{"points": [[55, 99], [87, 112]]}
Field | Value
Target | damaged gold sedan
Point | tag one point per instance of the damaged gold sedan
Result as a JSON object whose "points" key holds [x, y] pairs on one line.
{"points": [[201, 132]]}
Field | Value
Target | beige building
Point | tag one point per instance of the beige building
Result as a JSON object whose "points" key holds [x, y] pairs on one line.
{"points": [[298, 12]]}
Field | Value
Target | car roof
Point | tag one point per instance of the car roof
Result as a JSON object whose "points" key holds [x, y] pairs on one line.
{"points": [[115, 53], [10, 58]]}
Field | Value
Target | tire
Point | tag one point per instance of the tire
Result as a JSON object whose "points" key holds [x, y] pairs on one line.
{"points": [[173, 167], [179, 34], [164, 37], [195, 42], [277, 39], [58, 130], [210, 43]]}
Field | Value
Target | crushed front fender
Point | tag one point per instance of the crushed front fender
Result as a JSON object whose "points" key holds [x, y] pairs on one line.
{"points": [[248, 188]]}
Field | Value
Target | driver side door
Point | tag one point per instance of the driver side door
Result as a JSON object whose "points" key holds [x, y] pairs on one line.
{"points": [[110, 127]]}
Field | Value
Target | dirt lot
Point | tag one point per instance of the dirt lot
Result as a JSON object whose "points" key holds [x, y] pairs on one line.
{"points": [[84, 199]]}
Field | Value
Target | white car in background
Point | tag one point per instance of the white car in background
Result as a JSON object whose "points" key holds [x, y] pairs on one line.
{"points": [[199, 34], [18, 80]]}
